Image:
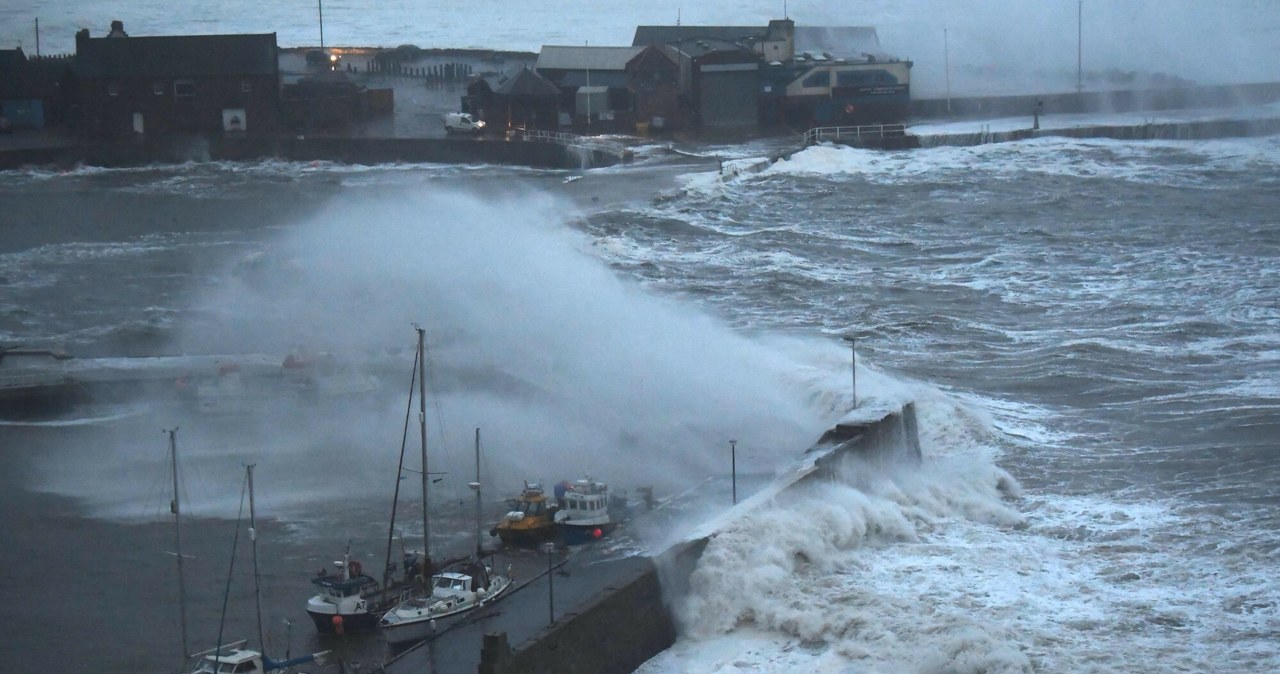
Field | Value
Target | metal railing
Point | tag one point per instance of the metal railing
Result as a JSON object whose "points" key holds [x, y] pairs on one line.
{"points": [[853, 134], [572, 140]]}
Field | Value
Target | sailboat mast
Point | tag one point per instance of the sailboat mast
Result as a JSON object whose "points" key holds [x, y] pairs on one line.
{"points": [[395, 498], [176, 508], [422, 429], [479, 526], [253, 539]]}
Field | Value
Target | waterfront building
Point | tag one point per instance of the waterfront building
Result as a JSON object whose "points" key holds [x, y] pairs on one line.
{"points": [[169, 85]]}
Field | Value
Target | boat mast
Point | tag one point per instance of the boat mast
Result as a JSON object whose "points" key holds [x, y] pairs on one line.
{"points": [[422, 429], [476, 485], [395, 497], [175, 507], [253, 539]]}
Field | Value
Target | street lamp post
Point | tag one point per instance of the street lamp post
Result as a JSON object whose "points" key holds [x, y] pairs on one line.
{"points": [[551, 585], [733, 468], [853, 367]]}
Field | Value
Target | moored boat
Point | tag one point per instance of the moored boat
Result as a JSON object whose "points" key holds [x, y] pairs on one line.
{"points": [[353, 600], [586, 512], [531, 521], [461, 587]]}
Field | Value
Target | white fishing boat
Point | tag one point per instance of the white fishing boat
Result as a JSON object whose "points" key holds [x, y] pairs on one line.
{"points": [[586, 512]]}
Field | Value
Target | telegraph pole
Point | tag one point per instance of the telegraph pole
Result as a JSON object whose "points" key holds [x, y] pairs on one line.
{"points": [[946, 58], [1079, 47], [320, 7]]}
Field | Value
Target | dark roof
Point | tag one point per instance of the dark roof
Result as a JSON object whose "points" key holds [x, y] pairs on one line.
{"points": [[10, 58], [839, 41], [647, 35], [178, 56], [521, 81], [554, 57], [578, 78]]}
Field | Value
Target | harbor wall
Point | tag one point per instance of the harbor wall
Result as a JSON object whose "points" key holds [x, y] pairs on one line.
{"points": [[1128, 100], [614, 633], [338, 149], [632, 620]]}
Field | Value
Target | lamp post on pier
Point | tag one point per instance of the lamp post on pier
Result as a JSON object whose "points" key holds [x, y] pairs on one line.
{"points": [[733, 468], [551, 585], [853, 367]]}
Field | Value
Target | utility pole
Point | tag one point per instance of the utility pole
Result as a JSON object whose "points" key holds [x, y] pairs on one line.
{"points": [[946, 59], [37, 37], [733, 467], [1079, 47], [320, 7], [551, 585], [588, 44]]}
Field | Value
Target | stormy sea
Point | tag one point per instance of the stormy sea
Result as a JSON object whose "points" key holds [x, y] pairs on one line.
{"points": [[1089, 329]]}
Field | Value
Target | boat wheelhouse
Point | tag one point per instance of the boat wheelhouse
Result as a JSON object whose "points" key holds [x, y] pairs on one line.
{"points": [[586, 513]]}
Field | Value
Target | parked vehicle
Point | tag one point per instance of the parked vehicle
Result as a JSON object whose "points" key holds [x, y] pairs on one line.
{"points": [[463, 122]]}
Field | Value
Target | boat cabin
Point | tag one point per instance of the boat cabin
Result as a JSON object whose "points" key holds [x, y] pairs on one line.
{"points": [[335, 587], [234, 661]]}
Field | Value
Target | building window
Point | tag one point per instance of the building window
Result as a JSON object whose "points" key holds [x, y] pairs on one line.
{"points": [[245, 86], [158, 88], [822, 78], [184, 89], [864, 78], [113, 88]]}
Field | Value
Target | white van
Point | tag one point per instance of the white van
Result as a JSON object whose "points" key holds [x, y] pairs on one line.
{"points": [[462, 122]]}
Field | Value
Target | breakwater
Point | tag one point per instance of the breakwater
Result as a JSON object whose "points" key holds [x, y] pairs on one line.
{"points": [[338, 149], [1194, 130], [1128, 100], [631, 620]]}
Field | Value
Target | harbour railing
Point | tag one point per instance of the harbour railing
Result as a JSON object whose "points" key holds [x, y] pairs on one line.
{"points": [[573, 140], [867, 133]]}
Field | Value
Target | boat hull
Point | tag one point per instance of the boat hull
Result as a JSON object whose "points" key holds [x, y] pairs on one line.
{"points": [[403, 632], [572, 534], [527, 537], [350, 621]]}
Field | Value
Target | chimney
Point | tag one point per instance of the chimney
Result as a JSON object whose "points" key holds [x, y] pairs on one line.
{"points": [[117, 29], [82, 36]]}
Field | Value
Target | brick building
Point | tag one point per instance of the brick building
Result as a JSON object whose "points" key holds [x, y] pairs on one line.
{"points": [[177, 85]]}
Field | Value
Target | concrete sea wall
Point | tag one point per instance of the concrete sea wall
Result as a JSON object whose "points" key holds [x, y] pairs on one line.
{"points": [[347, 150], [628, 623]]}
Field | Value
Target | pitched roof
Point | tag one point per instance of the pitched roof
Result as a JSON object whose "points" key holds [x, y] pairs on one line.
{"points": [[520, 81], [839, 41], [585, 58], [178, 56], [647, 35]]}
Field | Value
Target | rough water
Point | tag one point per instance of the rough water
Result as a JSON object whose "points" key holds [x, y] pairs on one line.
{"points": [[1090, 330]]}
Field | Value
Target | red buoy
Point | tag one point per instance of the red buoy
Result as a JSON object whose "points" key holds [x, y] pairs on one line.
{"points": [[337, 624], [597, 532]]}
